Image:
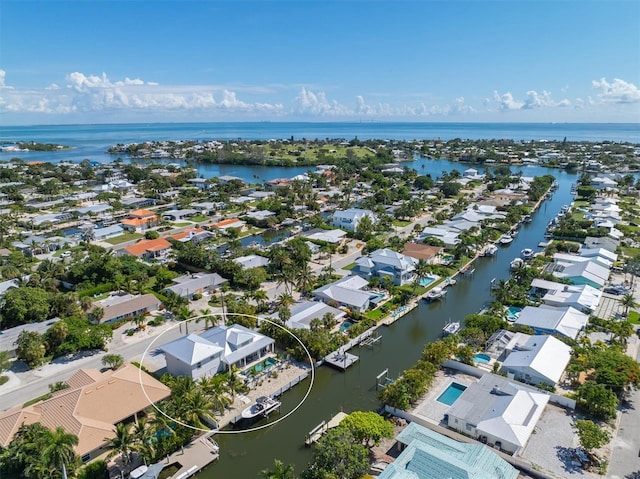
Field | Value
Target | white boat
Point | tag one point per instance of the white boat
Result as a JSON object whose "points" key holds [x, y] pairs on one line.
{"points": [[527, 253], [451, 328], [516, 263], [262, 407], [505, 239], [435, 293], [527, 219], [490, 250]]}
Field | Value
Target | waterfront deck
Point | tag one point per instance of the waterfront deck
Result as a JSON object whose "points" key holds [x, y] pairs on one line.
{"points": [[195, 456], [341, 359], [316, 433]]}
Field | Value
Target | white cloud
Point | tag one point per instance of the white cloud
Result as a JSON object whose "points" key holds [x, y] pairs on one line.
{"points": [[3, 75], [308, 102], [506, 101], [618, 91]]}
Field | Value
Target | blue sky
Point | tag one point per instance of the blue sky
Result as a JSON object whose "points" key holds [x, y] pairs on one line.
{"points": [[99, 61]]}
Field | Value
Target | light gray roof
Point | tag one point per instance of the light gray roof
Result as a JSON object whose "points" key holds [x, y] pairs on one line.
{"points": [[237, 341], [567, 321], [191, 349], [545, 355], [500, 408], [251, 261], [9, 336], [303, 312], [187, 285]]}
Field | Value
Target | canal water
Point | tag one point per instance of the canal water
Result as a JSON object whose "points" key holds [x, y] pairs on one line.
{"points": [[245, 455]]}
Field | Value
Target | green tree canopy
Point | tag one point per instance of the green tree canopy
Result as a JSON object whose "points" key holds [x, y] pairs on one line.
{"points": [[591, 435], [368, 426]]}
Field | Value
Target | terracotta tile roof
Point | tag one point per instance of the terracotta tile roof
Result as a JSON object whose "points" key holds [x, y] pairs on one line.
{"points": [[144, 246], [83, 377], [90, 411], [142, 213], [223, 223], [420, 251], [184, 233], [136, 221]]}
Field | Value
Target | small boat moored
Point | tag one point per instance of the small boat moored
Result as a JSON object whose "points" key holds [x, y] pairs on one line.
{"points": [[435, 293], [490, 250], [527, 253], [516, 263], [505, 239], [263, 406], [451, 328]]}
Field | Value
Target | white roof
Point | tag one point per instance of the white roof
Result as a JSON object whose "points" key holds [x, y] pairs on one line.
{"points": [[303, 312], [588, 270], [191, 349], [583, 296], [544, 355], [330, 236], [567, 321]]}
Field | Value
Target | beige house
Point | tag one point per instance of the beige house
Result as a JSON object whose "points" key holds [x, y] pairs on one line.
{"points": [[90, 408]]}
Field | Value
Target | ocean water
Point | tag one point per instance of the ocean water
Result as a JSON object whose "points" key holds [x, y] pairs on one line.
{"points": [[92, 141]]}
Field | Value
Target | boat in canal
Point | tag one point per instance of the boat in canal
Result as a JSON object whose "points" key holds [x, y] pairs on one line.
{"points": [[263, 406], [435, 294], [527, 253], [516, 263], [451, 328], [490, 250], [505, 239]]}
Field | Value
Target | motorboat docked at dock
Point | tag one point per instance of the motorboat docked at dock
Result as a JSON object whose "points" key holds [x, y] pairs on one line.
{"points": [[516, 263], [527, 253], [263, 406], [490, 250], [435, 293], [505, 239], [451, 328]]}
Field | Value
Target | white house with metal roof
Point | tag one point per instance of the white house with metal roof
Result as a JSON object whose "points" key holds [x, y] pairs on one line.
{"points": [[583, 297], [427, 454], [579, 271], [350, 219], [497, 411], [347, 292], [545, 319], [189, 284], [304, 312], [540, 359], [215, 350], [251, 261], [387, 263]]}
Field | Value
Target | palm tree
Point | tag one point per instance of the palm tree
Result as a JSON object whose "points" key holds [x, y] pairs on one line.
{"points": [[121, 443], [628, 301], [279, 471], [260, 297], [58, 451], [306, 279], [197, 409], [234, 383], [217, 391]]}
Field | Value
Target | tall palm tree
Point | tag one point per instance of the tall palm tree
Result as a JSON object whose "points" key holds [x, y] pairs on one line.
{"points": [[234, 383], [306, 279], [217, 391], [628, 301], [197, 411], [58, 451], [260, 297], [121, 443]]}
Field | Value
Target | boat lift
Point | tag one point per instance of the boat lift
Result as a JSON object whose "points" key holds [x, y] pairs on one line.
{"points": [[383, 379]]}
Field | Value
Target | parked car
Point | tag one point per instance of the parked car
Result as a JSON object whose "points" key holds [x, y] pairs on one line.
{"points": [[616, 289]]}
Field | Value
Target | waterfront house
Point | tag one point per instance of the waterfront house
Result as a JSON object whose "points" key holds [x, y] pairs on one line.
{"points": [[497, 411], [583, 297], [420, 251], [350, 218], [200, 183], [603, 183], [90, 407], [579, 270], [193, 235], [229, 223], [126, 306], [215, 350], [442, 233], [347, 292], [386, 263], [602, 256], [139, 220], [102, 234], [539, 359], [426, 454], [252, 261], [606, 242], [304, 312], [189, 284], [565, 321], [148, 249]]}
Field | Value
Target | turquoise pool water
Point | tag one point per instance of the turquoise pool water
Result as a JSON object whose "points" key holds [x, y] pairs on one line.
{"points": [[451, 394], [260, 367], [345, 325], [426, 281], [481, 358], [513, 312]]}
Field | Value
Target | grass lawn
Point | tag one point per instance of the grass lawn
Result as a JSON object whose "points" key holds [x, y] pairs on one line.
{"points": [[631, 252], [401, 224], [374, 315], [181, 224], [634, 317], [349, 266], [123, 238], [199, 218]]}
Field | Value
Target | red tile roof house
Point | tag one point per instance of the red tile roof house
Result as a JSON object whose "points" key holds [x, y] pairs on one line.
{"points": [[230, 223], [90, 408], [140, 220], [149, 249]]}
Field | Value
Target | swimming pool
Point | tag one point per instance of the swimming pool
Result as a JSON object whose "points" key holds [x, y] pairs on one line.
{"points": [[260, 367], [482, 358], [427, 281], [513, 312], [451, 394], [345, 325]]}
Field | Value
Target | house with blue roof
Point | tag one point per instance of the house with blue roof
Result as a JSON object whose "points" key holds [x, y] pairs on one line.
{"points": [[427, 454], [386, 263]]}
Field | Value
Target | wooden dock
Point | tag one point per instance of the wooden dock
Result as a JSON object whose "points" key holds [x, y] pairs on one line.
{"points": [[316, 433]]}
